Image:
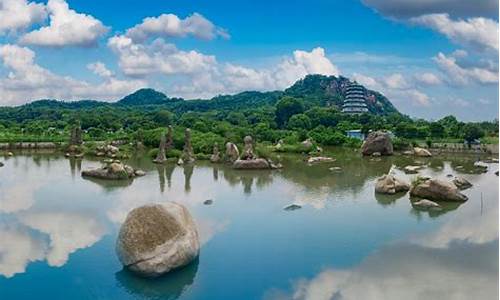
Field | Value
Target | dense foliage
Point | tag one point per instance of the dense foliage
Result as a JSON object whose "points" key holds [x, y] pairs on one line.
{"points": [[308, 109]]}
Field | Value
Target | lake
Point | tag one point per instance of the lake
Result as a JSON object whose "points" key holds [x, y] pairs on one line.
{"points": [[58, 231]]}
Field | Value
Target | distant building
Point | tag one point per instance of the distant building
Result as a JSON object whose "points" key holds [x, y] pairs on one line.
{"points": [[357, 134], [355, 99]]}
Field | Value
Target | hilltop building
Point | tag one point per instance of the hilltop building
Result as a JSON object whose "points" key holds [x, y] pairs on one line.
{"points": [[355, 99]]}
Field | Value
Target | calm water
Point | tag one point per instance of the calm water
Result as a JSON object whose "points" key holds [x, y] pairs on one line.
{"points": [[58, 231]]}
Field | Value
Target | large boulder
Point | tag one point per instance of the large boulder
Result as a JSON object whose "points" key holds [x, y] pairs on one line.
{"points": [[436, 189], [421, 152], [157, 238], [389, 184], [377, 141], [258, 163]]}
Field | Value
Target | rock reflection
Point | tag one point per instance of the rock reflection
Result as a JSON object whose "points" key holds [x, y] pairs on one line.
{"points": [[188, 173], [165, 173], [169, 286]]}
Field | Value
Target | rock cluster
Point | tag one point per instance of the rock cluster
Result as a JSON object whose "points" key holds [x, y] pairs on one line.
{"points": [[248, 159], [436, 189], [157, 238], [377, 141], [114, 170], [107, 150], [389, 184]]}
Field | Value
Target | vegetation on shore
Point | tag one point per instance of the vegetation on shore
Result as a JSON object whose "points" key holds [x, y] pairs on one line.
{"points": [[308, 109]]}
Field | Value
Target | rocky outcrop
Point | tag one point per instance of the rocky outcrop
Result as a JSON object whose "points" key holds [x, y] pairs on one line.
{"points": [[257, 163], [215, 158], [436, 189], [292, 206], [107, 150], [462, 183], [187, 153], [232, 152], [421, 152], [389, 184], [157, 238], [113, 171], [377, 141], [426, 204]]}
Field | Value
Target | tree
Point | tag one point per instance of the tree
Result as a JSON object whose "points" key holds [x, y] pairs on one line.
{"points": [[299, 122], [437, 130], [472, 132], [163, 117], [287, 107]]}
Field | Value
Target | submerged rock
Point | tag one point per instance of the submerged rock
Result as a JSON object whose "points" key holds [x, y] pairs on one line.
{"points": [[258, 163], [318, 159], [389, 184], [292, 206], [436, 189], [426, 204], [462, 183], [422, 152], [208, 202], [157, 238], [335, 169], [377, 141]]}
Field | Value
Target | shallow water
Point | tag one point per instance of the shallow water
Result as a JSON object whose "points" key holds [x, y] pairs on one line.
{"points": [[58, 231]]}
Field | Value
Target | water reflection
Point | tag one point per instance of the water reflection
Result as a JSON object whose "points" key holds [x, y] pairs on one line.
{"points": [[170, 286]]}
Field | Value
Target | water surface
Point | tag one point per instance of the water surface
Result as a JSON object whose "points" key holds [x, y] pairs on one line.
{"points": [[58, 231]]}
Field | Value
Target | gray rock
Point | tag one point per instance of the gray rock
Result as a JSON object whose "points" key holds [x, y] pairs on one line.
{"points": [[422, 152], [377, 141], [412, 169], [139, 173], [292, 206], [232, 152], [318, 159], [436, 189], [157, 238], [389, 184], [258, 163], [112, 171], [208, 202], [426, 204], [462, 183]]}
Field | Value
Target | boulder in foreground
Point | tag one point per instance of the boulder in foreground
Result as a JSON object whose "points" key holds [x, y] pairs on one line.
{"points": [[157, 238], [436, 189], [389, 184], [377, 141]]}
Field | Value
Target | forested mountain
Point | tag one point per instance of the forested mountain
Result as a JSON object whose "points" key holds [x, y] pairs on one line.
{"points": [[314, 90]]}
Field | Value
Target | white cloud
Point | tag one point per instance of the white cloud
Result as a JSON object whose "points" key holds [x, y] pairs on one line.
{"points": [[66, 28], [17, 15], [459, 75], [478, 33], [18, 248], [67, 232], [170, 25], [99, 69], [412, 8], [364, 80], [26, 80], [428, 78], [396, 81]]}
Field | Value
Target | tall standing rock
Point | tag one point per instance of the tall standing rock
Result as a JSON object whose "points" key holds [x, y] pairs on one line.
{"points": [[216, 154], [188, 154], [232, 152], [377, 141], [76, 136], [161, 157], [248, 150]]}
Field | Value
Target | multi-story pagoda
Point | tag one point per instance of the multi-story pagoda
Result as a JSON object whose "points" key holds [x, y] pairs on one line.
{"points": [[355, 99]]}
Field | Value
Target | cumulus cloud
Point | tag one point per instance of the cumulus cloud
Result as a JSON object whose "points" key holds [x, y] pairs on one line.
{"points": [[170, 25], [100, 69], [477, 33], [66, 28], [427, 78], [27, 80], [17, 15], [18, 248], [396, 81], [67, 231], [456, 8], [463, 75]]}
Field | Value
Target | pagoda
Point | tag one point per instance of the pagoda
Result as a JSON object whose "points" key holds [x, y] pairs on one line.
{"points": [[355, 99]]}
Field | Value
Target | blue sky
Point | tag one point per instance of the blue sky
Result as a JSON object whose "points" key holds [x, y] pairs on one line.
{"points": [[429, 59]]}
